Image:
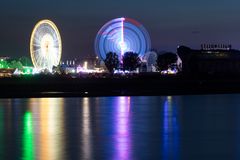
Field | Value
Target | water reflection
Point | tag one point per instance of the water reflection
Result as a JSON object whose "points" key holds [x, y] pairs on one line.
{"points": [[49, 130], [120, 128], [10, 131], [28, 137], [1, 131], [170, 130], [86, 129], [122, 121]]}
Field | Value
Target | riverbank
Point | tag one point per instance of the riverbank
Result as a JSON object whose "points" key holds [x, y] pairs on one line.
{"points": [[107, 85]]}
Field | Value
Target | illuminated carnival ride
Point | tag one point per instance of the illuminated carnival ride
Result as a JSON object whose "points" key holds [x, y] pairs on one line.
{"points": [[45, 45], [122, 35]]}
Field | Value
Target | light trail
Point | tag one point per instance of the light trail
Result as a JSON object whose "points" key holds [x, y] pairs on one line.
{"points": [[122, 38]]}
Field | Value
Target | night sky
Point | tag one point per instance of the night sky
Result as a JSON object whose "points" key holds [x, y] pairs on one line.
{"points": [[169, 22]]}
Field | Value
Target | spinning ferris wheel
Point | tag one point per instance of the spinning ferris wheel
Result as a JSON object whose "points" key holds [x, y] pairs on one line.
{"points": [[45, 45], [122, 35]]}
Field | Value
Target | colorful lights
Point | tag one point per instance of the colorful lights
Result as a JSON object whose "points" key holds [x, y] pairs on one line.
{"points": [[27, 70], [121, 35], [83, 69], [45, 45], [170, 130], [50, 131], [86, 129], [122, 121], [4, 64], [28, 139], [122, 43]]}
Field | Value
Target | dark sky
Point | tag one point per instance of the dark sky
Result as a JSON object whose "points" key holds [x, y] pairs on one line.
{"points": [[169, 22]]}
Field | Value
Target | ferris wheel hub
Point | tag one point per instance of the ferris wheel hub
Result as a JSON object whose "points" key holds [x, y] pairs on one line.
{"points": [[122, 35], [47, 44]]}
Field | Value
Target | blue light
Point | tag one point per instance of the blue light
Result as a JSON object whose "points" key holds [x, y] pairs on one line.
{"points": [[170, 130], [122, 35]]}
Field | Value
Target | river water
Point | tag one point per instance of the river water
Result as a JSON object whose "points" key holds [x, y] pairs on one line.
{"points": [[156, 127]]}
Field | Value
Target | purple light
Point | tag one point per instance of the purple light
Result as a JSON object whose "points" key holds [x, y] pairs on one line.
{"points": [[122, 43], [123, 139]]}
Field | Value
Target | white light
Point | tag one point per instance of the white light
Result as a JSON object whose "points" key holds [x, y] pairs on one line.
{"points": [[85, 65], [47, 45], [123, 46], [122, 43]]}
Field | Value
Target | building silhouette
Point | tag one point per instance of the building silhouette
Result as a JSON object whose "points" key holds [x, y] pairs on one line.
{"points": [[210, 59]]}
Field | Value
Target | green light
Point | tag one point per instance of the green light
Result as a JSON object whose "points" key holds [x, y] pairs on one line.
{"points": [[28, 138], [4, 64], [27, 70]]}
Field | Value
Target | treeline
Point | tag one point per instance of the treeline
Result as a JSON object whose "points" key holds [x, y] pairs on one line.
{"points": [[15, 63], [130, 61]]}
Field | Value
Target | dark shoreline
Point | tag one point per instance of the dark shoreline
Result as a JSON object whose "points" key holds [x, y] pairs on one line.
{"points": [[130, 85]]}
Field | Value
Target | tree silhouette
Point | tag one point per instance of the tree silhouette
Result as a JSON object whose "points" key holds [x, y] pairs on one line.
{"points": [[164, 61], [111, 61], [16, 64], [131, 61], [25, 61]]}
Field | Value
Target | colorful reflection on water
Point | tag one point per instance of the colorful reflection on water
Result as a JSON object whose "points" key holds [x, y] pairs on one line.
{"points": [[48, 127], [50, 131], [170, 130], [122, 126], [42, 135], [86, 130], [28, 137]]}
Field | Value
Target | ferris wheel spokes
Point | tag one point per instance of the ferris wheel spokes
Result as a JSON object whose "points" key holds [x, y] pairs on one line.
{"points": [[45, 45]]}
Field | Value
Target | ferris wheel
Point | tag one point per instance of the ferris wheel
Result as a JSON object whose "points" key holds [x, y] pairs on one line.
{"points": [[45, 45], [122, 35]]}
